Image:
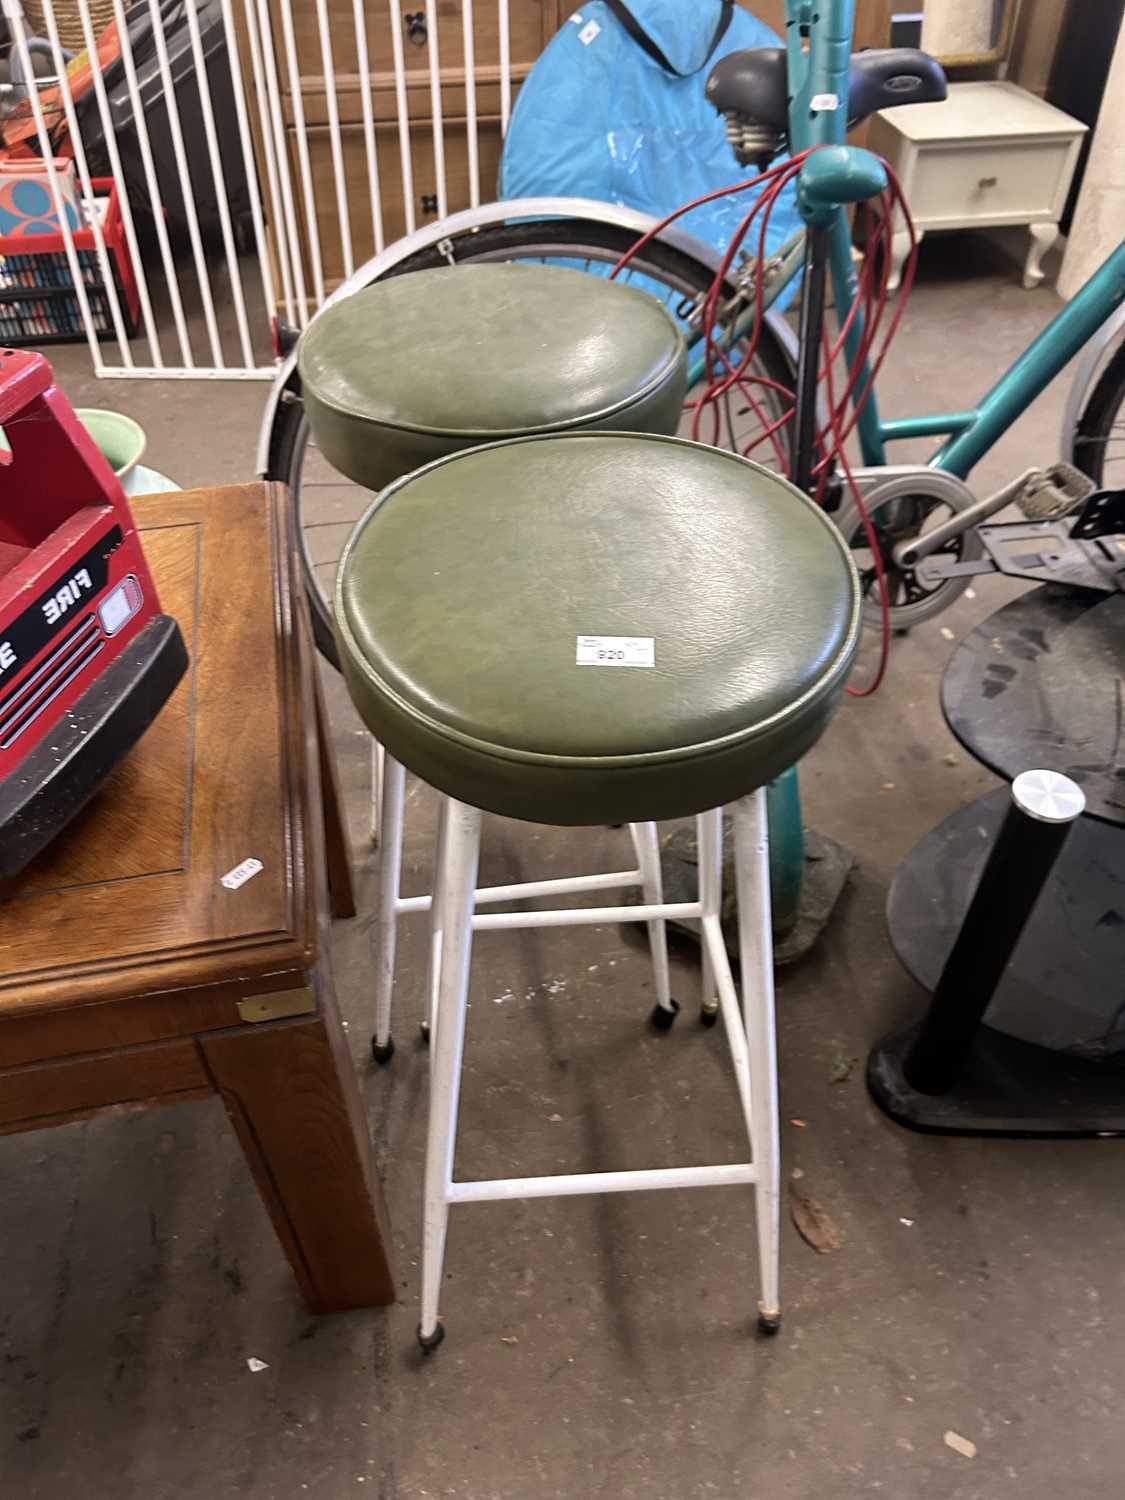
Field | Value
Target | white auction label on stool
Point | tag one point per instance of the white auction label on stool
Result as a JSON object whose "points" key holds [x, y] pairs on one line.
{"points": [[616, 651], [242, 873]]}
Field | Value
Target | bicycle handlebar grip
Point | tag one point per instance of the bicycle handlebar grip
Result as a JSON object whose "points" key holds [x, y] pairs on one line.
{"points": [[835, 175]]}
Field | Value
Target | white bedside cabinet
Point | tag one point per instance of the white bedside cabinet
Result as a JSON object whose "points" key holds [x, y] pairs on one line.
{"points": [[990, 154]]}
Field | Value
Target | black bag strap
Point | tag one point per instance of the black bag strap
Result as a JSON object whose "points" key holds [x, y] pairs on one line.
{"points": [[642, 38]]}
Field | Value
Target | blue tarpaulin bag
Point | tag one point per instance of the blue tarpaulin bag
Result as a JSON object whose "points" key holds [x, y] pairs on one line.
{"points": [[614, 109]]}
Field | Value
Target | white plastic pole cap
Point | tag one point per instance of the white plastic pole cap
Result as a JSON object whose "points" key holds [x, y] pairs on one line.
{"points": [[1048, 796]]}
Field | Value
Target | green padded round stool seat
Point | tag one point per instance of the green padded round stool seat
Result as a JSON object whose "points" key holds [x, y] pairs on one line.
{"points": [[466, 591], [420, 366]]}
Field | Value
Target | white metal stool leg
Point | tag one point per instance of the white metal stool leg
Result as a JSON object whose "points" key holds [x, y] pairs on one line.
{"points": [[378, 760], [456, 883], [437, 927], [391, 905], [647, 846], [755, 943], [711, 897], [748, 1026], [389, 865]]}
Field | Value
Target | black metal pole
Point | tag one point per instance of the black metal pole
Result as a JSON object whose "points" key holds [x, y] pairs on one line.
{"points": [[1044, 805], [808, 358]]}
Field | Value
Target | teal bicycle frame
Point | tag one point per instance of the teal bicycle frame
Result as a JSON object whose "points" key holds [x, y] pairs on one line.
{"points": [[819, 43]]}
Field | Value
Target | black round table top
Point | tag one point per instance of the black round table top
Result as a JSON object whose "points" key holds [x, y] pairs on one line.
{"points": [[1041, 684]]}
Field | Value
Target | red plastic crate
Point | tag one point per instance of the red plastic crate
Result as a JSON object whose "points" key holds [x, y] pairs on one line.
{"points": [[38, 302]]}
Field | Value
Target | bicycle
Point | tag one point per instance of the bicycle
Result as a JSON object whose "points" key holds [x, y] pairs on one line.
{"points": [[796, 97]]}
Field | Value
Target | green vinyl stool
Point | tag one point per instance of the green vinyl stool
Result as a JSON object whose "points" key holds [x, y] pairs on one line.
{"points": [[418, 367], [421, 366], [589, 629]]}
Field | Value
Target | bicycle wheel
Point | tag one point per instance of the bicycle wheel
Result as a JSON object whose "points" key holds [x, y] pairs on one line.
{"points": [[327, 504], [1099, 445]]}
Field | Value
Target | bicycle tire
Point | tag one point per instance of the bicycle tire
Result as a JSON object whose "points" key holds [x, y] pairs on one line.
{"points": [[1104, 411], [680, 273]]}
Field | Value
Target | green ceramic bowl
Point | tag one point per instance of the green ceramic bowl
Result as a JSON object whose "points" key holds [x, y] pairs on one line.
{"points": [[120, 439]]}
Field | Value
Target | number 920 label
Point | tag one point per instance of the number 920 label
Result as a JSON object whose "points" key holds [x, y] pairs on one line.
{"points": [[615, 651]]}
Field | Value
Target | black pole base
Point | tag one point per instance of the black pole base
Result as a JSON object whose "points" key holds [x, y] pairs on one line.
{"points": [[1005, 1087], [1062, 988]]}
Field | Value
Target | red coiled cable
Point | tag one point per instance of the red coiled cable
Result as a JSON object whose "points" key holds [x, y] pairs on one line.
{"points": [[725, 374]]}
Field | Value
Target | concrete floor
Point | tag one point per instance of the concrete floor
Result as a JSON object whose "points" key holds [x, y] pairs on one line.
{"points": [[598, 1346]]}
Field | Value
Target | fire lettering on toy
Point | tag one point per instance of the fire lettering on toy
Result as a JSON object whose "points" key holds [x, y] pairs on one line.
{"points": [[67, 595]]}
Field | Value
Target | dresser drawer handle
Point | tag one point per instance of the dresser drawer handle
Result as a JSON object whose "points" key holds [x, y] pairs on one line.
{"points": [[987, 182], [415, 23], [429, 203]]}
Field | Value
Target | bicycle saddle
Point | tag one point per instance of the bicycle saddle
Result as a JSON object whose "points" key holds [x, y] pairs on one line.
{"points": [[751, 89]]}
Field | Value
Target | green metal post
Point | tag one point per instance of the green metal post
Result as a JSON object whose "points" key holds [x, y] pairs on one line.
{"points": [[787, 849]]}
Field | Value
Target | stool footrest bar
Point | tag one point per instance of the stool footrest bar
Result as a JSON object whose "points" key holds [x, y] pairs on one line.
{"points": [[529, 889], [732, 1015], [588, 916], [601, 1182]]}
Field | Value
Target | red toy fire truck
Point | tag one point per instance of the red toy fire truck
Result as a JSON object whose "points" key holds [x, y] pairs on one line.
{"points": [[87, 659]]}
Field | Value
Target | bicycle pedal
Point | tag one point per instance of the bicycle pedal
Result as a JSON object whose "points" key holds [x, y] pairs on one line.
{"points": [[1050, 494]]}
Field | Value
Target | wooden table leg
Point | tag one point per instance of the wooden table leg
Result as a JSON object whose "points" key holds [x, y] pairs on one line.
{"points": [[292, 1095]]}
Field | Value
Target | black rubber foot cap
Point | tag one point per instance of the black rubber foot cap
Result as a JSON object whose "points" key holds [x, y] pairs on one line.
{"points": [[769, 1323], [428, 1342], [662, 1019], [708, 1017], [424, 1032], [384, 1053]]}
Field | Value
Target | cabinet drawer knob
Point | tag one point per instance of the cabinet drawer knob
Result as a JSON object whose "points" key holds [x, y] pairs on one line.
{"points": [[429, 203], [415, 23], [987, 182]]}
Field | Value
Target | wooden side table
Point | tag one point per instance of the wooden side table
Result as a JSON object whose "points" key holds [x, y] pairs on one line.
{"points": [[136, 968], [989, 155]]}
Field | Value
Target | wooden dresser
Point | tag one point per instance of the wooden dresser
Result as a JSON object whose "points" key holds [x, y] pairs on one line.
{"points": [[988, 156], [532, 23]]}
